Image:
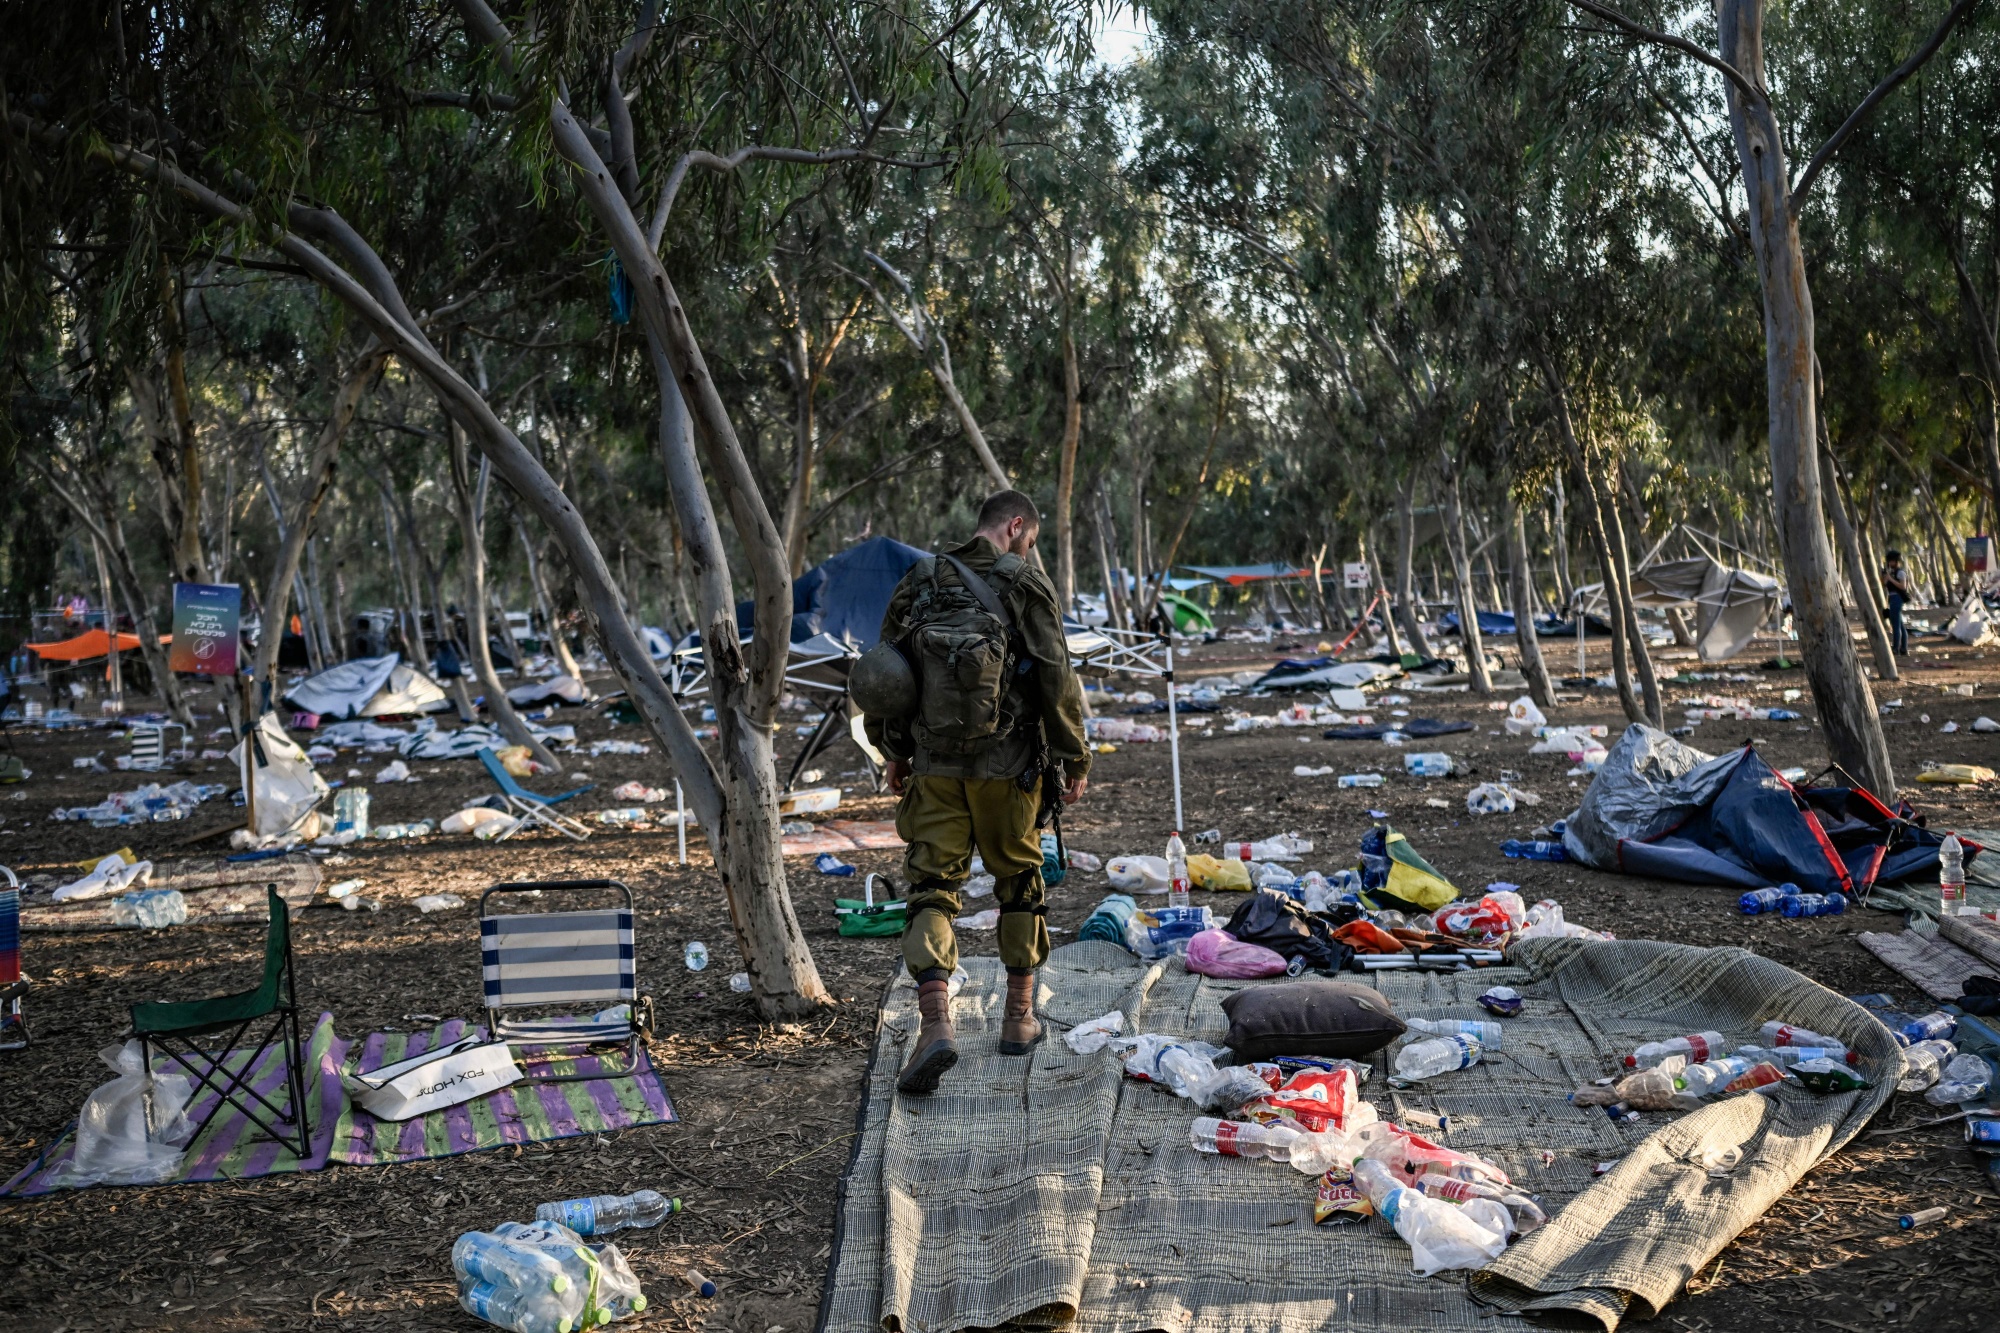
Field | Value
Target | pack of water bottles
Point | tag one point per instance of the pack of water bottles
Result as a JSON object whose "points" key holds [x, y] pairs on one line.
{"points": [[543, 1277]]}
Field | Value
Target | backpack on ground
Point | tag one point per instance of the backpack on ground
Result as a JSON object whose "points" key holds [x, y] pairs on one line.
{"points": [[966, 653]]}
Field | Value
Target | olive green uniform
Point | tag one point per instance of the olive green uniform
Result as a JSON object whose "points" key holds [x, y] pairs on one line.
{"points": [[956, 803]]}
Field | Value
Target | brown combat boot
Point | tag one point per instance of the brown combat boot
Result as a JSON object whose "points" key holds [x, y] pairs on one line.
{"points": [[1019, 1028], [936, 1048]]}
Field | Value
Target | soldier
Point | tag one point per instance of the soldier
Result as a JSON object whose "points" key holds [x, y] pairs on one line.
{"points": [[971, 695]]}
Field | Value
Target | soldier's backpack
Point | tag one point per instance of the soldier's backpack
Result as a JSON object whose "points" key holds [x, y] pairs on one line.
{"points": [[966, 653]]}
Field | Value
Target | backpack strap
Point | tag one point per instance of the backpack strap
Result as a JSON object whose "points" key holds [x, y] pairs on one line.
{"points": [[982, 592]]}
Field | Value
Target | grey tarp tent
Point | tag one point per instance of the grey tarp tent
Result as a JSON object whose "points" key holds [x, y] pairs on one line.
{"points": [[368, 687]]}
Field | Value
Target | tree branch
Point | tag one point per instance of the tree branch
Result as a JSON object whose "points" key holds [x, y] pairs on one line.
{"points": [[1671, 42], [760, 152], [1874, 99]]}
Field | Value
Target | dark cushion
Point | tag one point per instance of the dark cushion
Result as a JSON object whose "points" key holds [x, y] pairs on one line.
{"points": [[1338, 1019]]}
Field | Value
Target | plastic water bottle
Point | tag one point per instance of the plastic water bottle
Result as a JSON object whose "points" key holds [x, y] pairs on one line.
{"points": [[1966, 1077], [1696, 1047], [1486, 1034], [1934, 1025], [1758, 901], [1533, 851], [1923, 1064], [1951, 876], [1439, 1055], [1177, 871], [1813, 904], [1775, 1033], [1710, 1076], [696, 956], [150, 909], [607, 1214], [521, 1310], [1909, 1221], [480, 1257], [1430, 764], [1232, 1138], [1362, 779]]}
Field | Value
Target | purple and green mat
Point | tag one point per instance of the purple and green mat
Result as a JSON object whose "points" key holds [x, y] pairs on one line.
{"points": [[233, 1148]]}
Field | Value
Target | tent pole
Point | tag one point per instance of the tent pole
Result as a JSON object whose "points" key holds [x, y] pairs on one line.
{"points": [[681, 820], [1582, 673], [1173, 730]]}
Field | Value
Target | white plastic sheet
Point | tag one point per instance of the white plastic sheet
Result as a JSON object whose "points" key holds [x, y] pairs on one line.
{"points": [[132, 1130]]}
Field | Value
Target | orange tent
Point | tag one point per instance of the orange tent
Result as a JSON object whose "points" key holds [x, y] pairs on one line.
{"points": [[87, 645]]}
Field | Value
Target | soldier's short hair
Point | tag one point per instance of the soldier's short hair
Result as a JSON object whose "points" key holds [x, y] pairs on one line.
{"points": [[1003, 507]]}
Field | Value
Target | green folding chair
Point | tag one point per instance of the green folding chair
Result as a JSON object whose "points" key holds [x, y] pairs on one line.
{"points": [[180, 1029]]}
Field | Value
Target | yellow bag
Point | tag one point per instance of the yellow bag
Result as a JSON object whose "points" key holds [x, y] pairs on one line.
{"points": [[1957, 774], [515, 760], [1218, 876]]}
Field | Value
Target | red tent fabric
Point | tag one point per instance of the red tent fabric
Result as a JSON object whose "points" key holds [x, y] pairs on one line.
{"points": [[89, 644]]}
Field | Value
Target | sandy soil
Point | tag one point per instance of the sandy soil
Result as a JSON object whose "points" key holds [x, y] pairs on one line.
{"points": [[769, 1113]]}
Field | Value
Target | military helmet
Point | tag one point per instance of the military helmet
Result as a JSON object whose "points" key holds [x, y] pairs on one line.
{"points": [[881, 683]]}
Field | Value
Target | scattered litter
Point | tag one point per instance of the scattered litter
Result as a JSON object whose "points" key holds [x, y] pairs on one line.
{"points": [[986, 920], [829, 864], [396, 771], [617, 747], [740, 982], [150, 909], [639, 791], [1984, 723], [1922, 1217], [438, 902], [1089, 1038], [1302, 771]]}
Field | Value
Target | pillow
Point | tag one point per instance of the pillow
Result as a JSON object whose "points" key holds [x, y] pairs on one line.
{"points": [[1338, 1019]]}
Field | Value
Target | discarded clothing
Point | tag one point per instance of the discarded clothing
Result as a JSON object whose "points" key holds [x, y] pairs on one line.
{"points": [[1284, 927]]}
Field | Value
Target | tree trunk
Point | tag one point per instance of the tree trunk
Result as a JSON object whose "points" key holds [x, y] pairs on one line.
{"points": [[1113, 595], [1642, 657], [1559, 545], [1066, 469], [1382, 599], [409, 618], [1461, 568], [1840, 690], [1857, 572], [1520, 577], [471, 498], [297, 526], [100, 513], [114, 675], [1406, 575], [558, 643]]}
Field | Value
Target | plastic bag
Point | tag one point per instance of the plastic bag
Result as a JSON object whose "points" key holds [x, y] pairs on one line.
{"points": [[1137, 874], [1217, 875], [1523, 717], [1217, 953], [111, 875], [132, 1130], [472, 817], [1092, 1037], [1315, 1100]]}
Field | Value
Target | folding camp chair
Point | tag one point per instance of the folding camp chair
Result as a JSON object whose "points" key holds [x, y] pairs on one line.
{"points": [[175, 1027], [149, 744], [545, 960], [532, 807], [13, 1023]]}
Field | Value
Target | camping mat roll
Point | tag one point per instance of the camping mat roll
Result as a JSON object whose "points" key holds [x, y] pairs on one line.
{"points": [[983, 1204]]}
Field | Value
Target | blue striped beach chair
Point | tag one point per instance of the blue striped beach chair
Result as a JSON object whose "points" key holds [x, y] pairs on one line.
{"points": [[557, 963]]}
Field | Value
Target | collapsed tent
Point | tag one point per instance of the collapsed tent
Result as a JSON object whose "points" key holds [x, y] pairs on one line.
{"points": [[1665, 809], [1729, 604], [368, 687], [844, 595], [1238, 575], [1490, 622], [1313, 672]]}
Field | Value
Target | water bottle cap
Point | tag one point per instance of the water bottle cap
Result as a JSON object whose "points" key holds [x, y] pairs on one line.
{"points": [[559, 1283]]}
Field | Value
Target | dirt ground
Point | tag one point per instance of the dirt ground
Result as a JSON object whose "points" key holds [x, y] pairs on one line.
{"points": [[769, 1114]]}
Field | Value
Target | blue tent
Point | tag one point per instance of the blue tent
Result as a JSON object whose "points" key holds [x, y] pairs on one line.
{"points": [[1732, 820], [1490, 622], [845, 595]]}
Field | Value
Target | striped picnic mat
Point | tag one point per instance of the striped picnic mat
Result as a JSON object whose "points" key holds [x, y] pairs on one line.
{"points": [[233, 1148]]}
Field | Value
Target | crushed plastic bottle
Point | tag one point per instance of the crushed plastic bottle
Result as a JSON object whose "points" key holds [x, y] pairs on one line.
{"points": [[1703, 1080], [1362, 779], [1812, 904], [1439, 1055], [1936, 1025], [1440, 1235], [696, 956], [1759, 901], [1695, 1047], [1966, 1077], [1533, 851], [1430, 764], [1923, 1064], [608, 1214], [1922, 1217], [1488, 1035], [1232, 1138], [1775, 1033]]}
